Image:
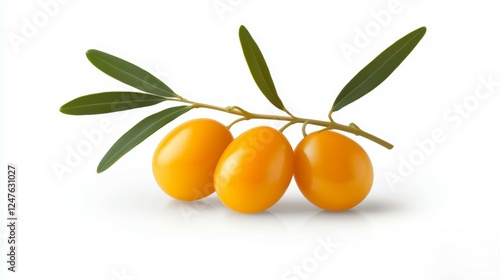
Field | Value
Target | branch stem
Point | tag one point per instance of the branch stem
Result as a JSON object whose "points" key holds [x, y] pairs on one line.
{"points": [[245, 115]]}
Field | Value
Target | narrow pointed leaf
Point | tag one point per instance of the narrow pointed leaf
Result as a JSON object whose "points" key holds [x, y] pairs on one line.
{"points": [[378, 70], [258, 68], [128, 73], [108, 102], [139, 133]]}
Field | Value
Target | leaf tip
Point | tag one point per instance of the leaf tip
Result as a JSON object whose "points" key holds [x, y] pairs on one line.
{"points": [[243, 31], [100, 168], [90, 52], [422, 30], [64, 109]]}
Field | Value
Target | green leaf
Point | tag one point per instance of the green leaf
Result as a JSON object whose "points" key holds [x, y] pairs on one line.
{"points": [[378, 70], [128, 73], [258, 68], [107, 102], [139, 133]]}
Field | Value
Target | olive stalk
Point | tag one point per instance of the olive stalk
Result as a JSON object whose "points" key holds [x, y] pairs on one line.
{"points": [[290, 119]]}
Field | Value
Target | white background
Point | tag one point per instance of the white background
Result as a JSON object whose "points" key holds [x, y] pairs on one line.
{"points": [[439, 221]]}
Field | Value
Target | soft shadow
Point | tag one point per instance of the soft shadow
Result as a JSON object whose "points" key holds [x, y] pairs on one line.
{"points": [[291, 206], [191, 214], [329, 219], [349, 224], [204, 204], [209, 216], [381, 206], [257, 223]]}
